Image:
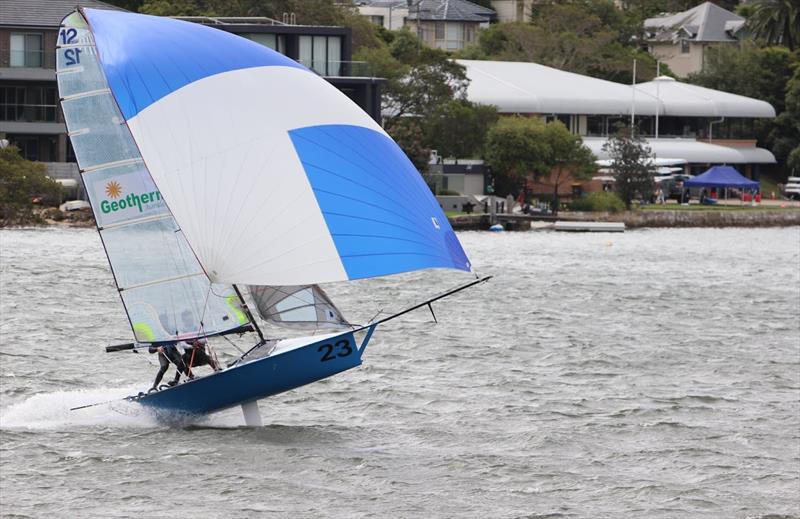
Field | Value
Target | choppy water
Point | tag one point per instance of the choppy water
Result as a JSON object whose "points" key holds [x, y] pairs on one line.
{"points": [[650, 374]]}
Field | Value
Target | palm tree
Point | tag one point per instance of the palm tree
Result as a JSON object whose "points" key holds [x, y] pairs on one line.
{"points": [[776, 21]]}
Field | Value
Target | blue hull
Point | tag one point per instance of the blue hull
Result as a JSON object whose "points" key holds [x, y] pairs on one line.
{"points": [[285, 369]]}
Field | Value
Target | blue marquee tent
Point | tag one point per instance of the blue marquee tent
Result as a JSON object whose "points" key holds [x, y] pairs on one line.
{"points": [[722, 177]]}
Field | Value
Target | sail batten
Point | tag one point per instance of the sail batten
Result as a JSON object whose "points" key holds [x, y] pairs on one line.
{"points": [[163, 288], [162, 281]]}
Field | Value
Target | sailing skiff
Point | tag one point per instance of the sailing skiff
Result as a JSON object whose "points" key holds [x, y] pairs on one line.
{"points": [[216, 166]]}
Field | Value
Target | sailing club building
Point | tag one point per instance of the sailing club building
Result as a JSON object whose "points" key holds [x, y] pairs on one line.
{"points": [[693, 126], [30, 115]]}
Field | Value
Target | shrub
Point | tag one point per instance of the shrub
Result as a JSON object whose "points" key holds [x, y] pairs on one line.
{"points": [[602, 201]]}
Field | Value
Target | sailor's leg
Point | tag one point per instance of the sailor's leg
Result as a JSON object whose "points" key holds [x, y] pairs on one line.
{"points": [[163, 366]]}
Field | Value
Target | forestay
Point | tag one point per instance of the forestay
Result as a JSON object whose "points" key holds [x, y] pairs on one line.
{"points": [[274, 176], [163, 287]]}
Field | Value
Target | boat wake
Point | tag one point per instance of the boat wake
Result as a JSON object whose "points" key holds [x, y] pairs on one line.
{"points": [[106, 407], [53, 410]]}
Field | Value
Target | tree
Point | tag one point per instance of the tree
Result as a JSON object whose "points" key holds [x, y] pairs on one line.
{"points": [[761, 73], [20, 182], [632, 166], [458, 128], [420, 85], [514, 148], [776, 22], [409, 134], [572, 37], [520, 147], [567, 157]]}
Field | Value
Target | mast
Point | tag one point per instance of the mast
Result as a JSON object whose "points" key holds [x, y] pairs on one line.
{"points": [[249, 315]]}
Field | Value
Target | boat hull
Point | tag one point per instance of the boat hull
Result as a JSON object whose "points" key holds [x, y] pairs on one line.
{"points": [[299, 363]]}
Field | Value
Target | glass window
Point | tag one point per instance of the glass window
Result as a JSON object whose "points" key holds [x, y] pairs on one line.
{"points": [[594, 125], [306, 51], [684, 46], [323, 54], [267, 40], [377, 20], [26, 50], [439, 30], [455, 36], [334, 56], [319, 61]]}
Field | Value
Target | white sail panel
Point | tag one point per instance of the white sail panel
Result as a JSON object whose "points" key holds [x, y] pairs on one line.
{"points": [[163, 287], [236, 135], [306, 307]]}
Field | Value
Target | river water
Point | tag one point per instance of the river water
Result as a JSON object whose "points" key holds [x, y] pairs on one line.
{"points": [[654, 373]]}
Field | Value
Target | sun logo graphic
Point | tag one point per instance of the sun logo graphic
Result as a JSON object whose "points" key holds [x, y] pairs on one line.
{"points": [[113, 189]]}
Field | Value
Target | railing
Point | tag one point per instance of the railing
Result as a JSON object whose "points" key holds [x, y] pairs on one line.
{"points": [[29, 113], [27, 58], [340, 68]]}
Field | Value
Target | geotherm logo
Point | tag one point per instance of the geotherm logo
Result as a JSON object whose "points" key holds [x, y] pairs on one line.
{"points": [[114, 190]]}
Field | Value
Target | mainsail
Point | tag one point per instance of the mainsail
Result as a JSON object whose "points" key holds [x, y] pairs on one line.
{"points": [[164, 289], [273, 176], [305, 307]]}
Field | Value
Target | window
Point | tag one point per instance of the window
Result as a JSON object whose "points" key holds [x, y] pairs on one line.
{"points": [[685, 47], [273, 41], [455, 36], [28, 103], [377, 20], [26, 50], [323, 54], [439, 30]]}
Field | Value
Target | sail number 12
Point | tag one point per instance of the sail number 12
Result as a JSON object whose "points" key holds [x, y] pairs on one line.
{"points": [[73, 56], [342, 349]]}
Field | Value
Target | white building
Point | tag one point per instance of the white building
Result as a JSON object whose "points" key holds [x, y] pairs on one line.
{"points": [[681, 121]]}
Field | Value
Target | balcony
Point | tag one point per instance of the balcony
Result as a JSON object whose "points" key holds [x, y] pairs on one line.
{"points": [[340, 68]]}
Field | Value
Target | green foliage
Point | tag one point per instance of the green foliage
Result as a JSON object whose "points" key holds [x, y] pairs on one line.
{"points": [[747, 70], [458, 128], [591, 38], [761, 73], [789, 120], [776, 22], [601, 201], [20, 182], [631, 166], [409, 133], [518, 147]]}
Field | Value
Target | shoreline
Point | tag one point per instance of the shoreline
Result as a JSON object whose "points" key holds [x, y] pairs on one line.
{"points": [[637, 219], [516, 222]]}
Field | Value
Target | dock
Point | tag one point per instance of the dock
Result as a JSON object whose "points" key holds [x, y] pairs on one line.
{"points": [[562, 225]]}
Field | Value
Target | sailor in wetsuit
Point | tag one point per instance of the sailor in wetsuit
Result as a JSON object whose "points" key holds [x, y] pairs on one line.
{"points": [[195, 354], [168, 353]]}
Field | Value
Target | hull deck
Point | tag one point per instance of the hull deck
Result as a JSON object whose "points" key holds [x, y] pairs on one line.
{"points": [[290, 364]]}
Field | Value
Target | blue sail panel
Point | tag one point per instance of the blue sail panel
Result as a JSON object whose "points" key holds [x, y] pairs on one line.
{"points": [[148, 57], [380, 213]]}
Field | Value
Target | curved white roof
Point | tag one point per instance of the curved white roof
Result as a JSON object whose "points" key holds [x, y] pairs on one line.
{"points": [[693, 151], [684, 99], [519, 87]]}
